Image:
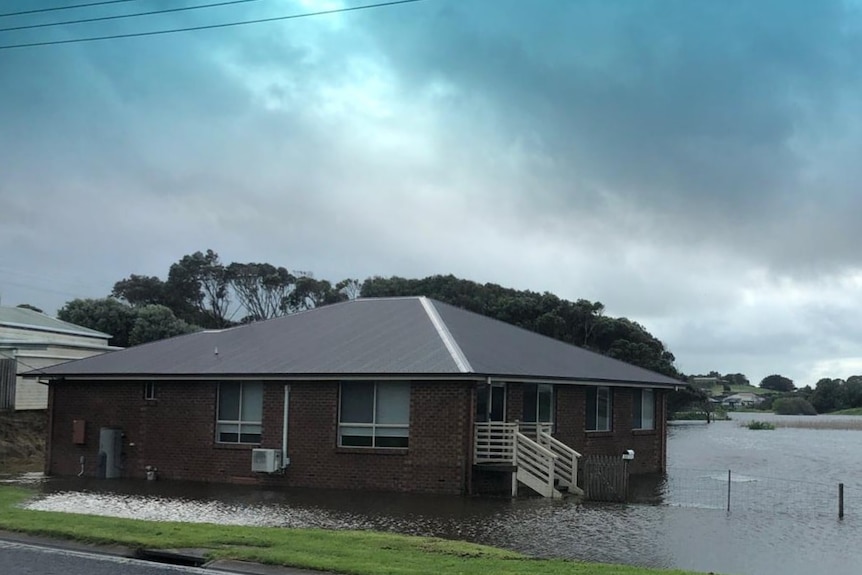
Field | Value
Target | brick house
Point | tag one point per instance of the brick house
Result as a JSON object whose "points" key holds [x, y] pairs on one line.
{"points": [[398, 394]]}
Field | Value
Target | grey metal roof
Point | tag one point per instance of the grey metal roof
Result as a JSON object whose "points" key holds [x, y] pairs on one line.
{"points": [[495, 347], [386, 336], [19, 317]]}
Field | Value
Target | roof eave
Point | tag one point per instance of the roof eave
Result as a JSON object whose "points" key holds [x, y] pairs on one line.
{"points": [[478, 377]]}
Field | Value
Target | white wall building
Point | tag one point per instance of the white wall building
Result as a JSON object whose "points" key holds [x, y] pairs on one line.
{"points": [[31, 340]]}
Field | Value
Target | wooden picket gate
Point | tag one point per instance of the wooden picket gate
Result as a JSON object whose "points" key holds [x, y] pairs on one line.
{"points": [[606, 478]]}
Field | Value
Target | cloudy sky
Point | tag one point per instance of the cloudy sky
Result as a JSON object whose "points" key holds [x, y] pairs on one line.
{"points": [[694, 165]]}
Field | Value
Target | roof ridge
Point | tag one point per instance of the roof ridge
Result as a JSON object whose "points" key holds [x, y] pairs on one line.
{"points": [[451, 345]]}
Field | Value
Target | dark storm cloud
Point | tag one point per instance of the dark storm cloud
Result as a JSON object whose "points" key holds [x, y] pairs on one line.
{"points": [[704, 111], [663, 157]]}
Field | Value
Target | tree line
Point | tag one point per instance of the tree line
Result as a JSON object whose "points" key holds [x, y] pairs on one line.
{"points": [[201, 292], [827, 395]]}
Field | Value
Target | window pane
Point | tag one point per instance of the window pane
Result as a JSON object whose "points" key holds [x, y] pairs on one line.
{"points": [[252, 401], [391, 441], [253, 429], [355, 436], [228, 401], [637, 409], [356, 430], [393, 402], [591, 408], [482, 403], [498, 403], [391, 432], [648, 409], [357, 402], [530, 408], [603, 404], [545, 399], [228, 432]]}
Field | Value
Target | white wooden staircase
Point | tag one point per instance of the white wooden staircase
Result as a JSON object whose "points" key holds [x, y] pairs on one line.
{"points": [[541, 462]]}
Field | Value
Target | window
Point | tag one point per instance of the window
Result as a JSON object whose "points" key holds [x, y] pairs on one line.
{"points": [[374, 414], [150, 390], [240, 408], [599, 409], [538, 403], [491, 402], [643, 409]]}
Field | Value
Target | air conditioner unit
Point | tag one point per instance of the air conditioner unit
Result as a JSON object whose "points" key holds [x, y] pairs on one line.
{"points": [[265, 460]]}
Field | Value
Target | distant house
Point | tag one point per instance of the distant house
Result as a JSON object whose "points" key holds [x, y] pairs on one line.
{"points": [[398, 394], [744, 399], [32, 340]]}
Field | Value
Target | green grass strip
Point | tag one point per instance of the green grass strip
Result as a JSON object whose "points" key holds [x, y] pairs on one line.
{"points": [[354, 552]]}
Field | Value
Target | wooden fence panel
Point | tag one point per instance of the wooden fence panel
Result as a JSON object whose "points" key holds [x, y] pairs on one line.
{"points": [[606, 478], [8, 380]]}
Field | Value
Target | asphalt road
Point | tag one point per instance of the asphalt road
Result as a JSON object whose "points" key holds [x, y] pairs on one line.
{"points": [[26, 559]]}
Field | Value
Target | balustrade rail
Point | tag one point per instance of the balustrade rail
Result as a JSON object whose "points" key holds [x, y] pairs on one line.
{"points": [[543, 462]]}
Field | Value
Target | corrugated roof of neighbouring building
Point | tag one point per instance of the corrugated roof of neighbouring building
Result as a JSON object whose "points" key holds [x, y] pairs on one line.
{"points": [[24, 318]]}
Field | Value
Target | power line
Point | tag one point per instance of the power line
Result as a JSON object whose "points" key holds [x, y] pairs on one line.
{"points": [[42, 289], [41, 10], [121, 16], [212, 26]]}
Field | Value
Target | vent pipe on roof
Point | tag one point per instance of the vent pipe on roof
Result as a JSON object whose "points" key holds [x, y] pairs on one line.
{"points": [[215, 352]]}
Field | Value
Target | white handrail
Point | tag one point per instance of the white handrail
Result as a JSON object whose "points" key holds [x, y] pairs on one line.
{"points": [[566, 465], [494, 442], [536, 461], [540, 462]]}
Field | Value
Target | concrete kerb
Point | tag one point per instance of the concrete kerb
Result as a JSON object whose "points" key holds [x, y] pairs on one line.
{"points": [[195, 557]]}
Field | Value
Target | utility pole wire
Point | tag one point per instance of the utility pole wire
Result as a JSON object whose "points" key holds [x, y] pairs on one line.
{"points": [[212, 26], [121, 16], [41, 10]]}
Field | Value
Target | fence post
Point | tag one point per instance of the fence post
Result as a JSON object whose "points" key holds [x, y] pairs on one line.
{"points": [[728, 490], [840, 501]]}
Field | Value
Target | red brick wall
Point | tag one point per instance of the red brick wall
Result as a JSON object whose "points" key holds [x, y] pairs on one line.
{"points": [[176, 433], [649, 445]]}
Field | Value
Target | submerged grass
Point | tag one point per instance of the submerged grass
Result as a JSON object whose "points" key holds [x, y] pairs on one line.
{"points": [[759, 425], [821, 423], [353, 552]]}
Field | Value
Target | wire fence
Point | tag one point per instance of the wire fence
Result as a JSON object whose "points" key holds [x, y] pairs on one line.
{"points": [[738, 492]]}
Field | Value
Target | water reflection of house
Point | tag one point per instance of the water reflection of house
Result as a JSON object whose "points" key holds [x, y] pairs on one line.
{"points": [[32, 340], [403, 394], [744, 399]]}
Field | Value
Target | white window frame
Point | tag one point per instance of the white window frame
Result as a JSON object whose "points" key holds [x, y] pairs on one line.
{"points": [[150, 391], [239, 423], [610, 407], [374, 426], [643, 403], [552, 407]]}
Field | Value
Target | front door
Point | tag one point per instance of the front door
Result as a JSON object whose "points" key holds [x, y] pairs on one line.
{"points": [[491, 402]]}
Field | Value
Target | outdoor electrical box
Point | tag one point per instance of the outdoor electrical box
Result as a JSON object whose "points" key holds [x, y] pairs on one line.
{"points": [[79, 432], [265, 460]]}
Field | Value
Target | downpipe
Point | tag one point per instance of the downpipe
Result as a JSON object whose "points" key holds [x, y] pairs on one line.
{"points": [[80, 473]]}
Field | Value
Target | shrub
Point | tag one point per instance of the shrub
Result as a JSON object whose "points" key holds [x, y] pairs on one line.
{"points": [[759, 425], [793, 406]]}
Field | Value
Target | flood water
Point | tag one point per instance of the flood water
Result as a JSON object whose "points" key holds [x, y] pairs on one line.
{"points": [[783, 499]]}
